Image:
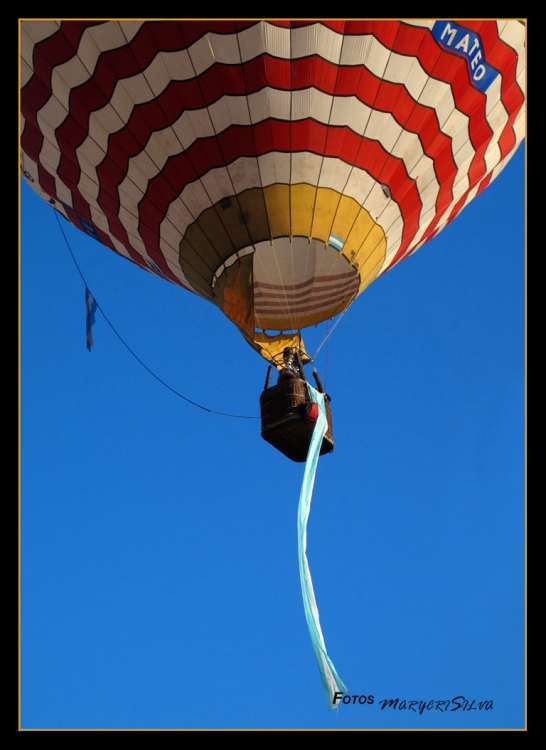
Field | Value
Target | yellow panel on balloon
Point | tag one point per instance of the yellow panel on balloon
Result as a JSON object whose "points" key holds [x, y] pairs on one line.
{"points": [[324, 213], [277, 202], [302, 201]]}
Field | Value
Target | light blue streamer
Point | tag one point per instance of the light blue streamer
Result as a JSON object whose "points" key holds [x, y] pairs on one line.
{"points": [[331, 681]]}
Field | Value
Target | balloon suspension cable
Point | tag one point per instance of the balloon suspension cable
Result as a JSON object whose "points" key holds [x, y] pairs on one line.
{"points": [[329, 332], [193, 403], [327, 353]]}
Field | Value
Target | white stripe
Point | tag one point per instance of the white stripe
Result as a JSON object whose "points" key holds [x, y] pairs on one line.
{"points": [[513, 33], [335, 242], [497, 117], [37, 31], [519, 125], [427, 24], [30, 34], [25, 72]]}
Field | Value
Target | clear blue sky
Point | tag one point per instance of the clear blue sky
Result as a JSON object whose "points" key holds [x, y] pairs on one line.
{"points": [[159, 576]]}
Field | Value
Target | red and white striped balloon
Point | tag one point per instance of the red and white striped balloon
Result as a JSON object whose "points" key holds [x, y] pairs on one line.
{"points": [[275, 168]]}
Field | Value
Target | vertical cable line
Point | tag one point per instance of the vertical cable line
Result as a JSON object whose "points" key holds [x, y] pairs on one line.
{"points": [[291, 146], [273, 290], [291, 73], [329, 331]]}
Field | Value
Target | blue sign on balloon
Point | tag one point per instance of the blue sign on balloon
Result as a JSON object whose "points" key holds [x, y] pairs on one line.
{"points": [[467, 44]]}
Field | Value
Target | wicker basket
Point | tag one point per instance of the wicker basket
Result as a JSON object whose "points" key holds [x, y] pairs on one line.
{"points": [[283, 409]]}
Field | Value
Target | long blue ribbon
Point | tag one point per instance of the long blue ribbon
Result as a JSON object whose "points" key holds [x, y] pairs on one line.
{"points": [[331, 681]]}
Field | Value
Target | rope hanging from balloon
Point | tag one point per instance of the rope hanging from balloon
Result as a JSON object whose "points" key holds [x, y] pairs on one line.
{"points": [[126, 345]]}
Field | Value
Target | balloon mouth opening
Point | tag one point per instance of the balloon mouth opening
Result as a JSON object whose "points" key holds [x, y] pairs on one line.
{"points": [[233, 258]]}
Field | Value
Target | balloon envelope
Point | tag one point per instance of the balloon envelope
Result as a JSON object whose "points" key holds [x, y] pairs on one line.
{"points": [[275, 168]]}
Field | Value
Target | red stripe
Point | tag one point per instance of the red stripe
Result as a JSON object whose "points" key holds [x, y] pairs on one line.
{"points": [[276, 305], [485, 182], [417, 41], [120, 63], [206, 155], [46, 181], [275, 312], [33, 141], [315, 288], [314, 291], [505, 59], [313, 280], [47, 54]]}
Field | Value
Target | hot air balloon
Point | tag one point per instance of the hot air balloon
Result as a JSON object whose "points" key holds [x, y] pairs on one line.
{"points": [[275, 168]]}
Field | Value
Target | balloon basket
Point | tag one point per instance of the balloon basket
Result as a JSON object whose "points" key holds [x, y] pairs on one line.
{"points": [[283, 410]]}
